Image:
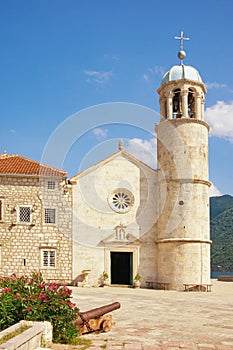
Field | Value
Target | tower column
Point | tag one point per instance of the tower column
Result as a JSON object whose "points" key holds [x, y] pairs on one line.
{"points": [[202, 107], [162, 102], [198, 107], [169, 106], [184, 106]]}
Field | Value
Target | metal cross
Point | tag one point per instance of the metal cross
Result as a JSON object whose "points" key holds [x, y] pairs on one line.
{"points": [[181, 38]]}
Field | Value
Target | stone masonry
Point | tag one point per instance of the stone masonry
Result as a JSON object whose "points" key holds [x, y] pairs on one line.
{"points": [[28, 241]]}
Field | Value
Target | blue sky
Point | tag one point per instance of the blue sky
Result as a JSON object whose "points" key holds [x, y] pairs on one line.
{"points": [[60, 58]]}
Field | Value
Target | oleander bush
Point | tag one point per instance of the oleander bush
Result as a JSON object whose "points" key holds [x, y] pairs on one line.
{"points": [[29, 298]]}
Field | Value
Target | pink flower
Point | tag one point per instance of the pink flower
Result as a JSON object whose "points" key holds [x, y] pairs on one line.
{"points": [[53, 286], [28, 309], [17, 295], [7, 290], [71, 304], [31, 281], [45, 300], [41, 285]]}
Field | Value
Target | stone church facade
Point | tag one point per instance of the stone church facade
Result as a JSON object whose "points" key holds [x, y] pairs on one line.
{"points": [[120, 216], [114, 215]]}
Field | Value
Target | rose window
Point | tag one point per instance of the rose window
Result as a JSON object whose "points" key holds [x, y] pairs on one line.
{"points": [[121, 200]]}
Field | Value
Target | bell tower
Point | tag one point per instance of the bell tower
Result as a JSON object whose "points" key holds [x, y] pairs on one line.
{"points": [[183, 239]]}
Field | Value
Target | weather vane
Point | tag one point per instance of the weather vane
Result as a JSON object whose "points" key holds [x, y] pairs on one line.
{"points": [[181, 53]]}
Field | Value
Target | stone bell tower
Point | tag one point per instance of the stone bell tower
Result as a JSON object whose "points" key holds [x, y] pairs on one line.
{"points": [[183, 239]]}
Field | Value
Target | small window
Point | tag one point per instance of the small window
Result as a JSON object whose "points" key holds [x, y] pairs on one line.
{"points": [[51, 185], [50, 216], [24, 214], [48, 258]]}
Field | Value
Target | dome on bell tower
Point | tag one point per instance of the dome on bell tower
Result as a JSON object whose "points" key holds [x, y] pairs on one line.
{"points": [[182, 91], [181, 72]]}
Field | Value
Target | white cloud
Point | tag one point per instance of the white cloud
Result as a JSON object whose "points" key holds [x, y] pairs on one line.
{"points": [[98, 77], [156, 70], [146, 77], [12, 131], [214, 191], [220, 118], [100, 133], [215, 85], [112, 57], [144, 150]]}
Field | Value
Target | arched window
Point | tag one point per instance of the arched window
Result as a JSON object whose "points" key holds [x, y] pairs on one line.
{"points": [[191, 104], [176, 104]]}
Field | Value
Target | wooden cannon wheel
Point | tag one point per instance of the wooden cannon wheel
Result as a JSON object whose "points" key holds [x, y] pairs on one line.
{"points": [[103, 323], [107, 325]]}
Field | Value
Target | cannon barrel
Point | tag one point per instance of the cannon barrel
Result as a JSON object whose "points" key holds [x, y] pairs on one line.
{"points": [[95, 313]]}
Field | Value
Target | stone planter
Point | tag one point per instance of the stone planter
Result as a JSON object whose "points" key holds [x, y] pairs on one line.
{"points": [[86, 274], [105, 282], [39, 334], [137, 284]]}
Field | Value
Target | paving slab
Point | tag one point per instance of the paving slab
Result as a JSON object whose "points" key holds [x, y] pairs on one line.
{"points": [[157, 319]]}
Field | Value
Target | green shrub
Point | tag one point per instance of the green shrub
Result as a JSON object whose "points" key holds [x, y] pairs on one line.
{"points": [[29, 298]]}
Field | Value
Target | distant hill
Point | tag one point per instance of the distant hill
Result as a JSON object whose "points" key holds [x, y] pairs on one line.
{"points": [[221, 233], [219, 204]]}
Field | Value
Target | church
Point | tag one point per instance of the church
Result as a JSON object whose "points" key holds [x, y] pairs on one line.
{"points": [[119, 218]]}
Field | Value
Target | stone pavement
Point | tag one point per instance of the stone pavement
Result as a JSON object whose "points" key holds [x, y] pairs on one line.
{"points": [[156, 319]]}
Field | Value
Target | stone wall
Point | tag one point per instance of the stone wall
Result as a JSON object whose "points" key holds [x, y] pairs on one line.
{"points": [[22, 243], [96, 223], [183, 236]]}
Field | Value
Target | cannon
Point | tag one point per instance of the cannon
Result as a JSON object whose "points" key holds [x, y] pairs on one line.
{"points": [[96, 320]]}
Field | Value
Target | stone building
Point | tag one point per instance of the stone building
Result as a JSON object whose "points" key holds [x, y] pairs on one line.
{"points": [[129, 218], [114, 213], [35, 219], [120, 216]]}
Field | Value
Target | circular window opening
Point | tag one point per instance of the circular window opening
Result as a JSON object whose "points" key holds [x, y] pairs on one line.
{"points": [[121, 200]]}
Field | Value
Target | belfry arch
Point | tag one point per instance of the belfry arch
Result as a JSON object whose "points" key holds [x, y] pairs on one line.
{"points": [[191, 103], [182, 100], [176, 104]]}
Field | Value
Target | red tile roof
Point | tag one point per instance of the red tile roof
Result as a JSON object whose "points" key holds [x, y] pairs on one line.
{"points": [[13, 164]]}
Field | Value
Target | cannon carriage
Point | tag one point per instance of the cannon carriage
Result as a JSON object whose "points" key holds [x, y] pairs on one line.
{"points": [[96, 320]]}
